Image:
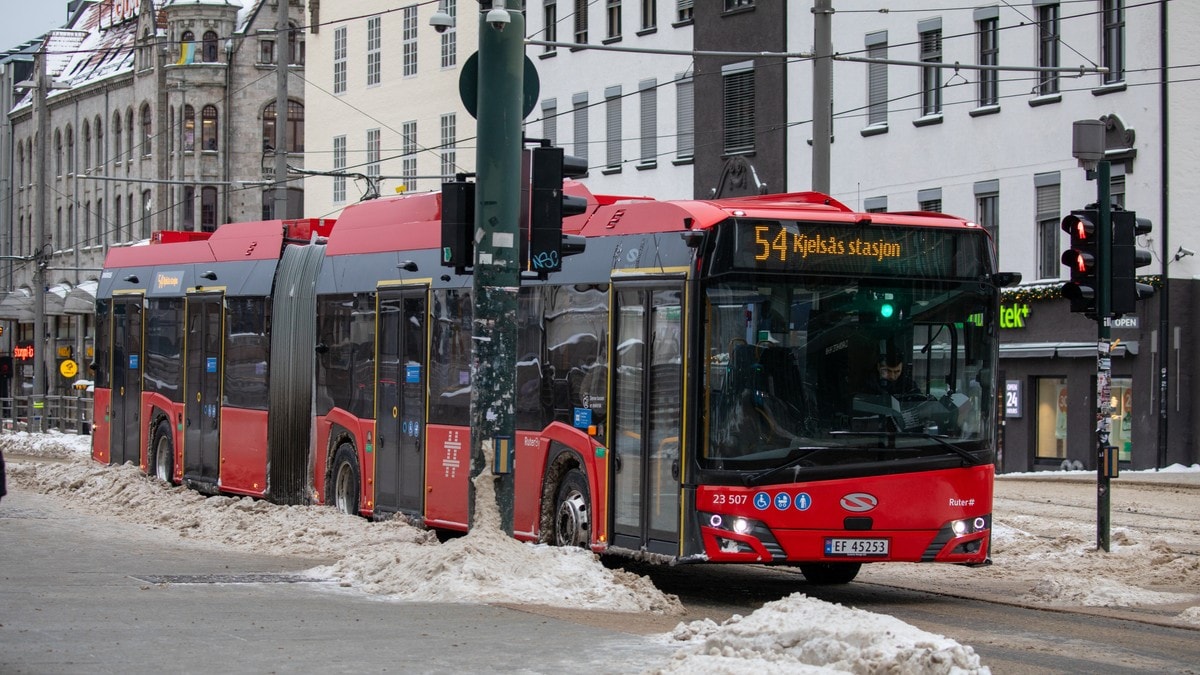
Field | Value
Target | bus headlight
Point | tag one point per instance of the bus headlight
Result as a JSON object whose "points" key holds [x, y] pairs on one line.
{"points": [[970, 526], [741, 525]]}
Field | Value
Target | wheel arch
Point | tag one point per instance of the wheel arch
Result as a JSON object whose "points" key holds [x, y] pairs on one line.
{"points": [[561, 459]]}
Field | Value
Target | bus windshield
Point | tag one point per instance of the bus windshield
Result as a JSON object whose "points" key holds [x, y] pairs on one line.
{"points": [[805, 371]]}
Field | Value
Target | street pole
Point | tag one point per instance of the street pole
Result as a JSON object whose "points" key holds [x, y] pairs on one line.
{"points": [[1103, 357], [40, 212], [282, 57], [496, 279], [822, 115]]}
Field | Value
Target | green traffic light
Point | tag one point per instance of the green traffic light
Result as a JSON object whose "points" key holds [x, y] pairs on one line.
{"points": [[886, 310]]}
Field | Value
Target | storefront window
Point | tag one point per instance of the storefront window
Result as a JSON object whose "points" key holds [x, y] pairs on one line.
{"points": [[1120, 432], [1051, 418]]}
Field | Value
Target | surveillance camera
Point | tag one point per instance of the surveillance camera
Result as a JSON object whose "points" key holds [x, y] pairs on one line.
{"points": [[441, 21], [498, 18], [1186, 251]]}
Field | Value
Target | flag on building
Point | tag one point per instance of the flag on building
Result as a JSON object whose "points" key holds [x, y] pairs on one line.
{"points": [[187, 53]]}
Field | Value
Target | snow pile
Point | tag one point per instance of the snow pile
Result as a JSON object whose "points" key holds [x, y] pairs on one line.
{"points": [[1072, 590], [799, 634], [1190, 615], [388, 558]]}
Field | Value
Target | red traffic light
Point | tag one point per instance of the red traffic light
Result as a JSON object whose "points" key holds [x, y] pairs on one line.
{"points": [[1079, 227], [1079, 261]]}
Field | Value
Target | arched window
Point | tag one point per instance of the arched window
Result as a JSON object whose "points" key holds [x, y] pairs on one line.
{"points": [[70, 150], [295, 126], [58, 152], [147, 130], [99, 142], [189, 128], [295, 44], [20, 164], [187, 47], [129, 133], [116, 134], [116, 222], [208, 127], [87, 145], [210, 47]]}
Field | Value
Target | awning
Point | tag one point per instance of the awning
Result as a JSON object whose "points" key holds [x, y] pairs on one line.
{"points": [[82, 298], [17, 305], [55, 296], [1050, 350]]}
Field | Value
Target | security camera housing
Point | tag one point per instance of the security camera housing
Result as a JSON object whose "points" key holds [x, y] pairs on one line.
{"points": [[441, 21], [498, 19]]}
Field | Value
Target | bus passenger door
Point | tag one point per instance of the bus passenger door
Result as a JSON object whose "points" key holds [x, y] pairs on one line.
{"points": [[125, 441], [646, 412], [202, 389], [400, 401]]}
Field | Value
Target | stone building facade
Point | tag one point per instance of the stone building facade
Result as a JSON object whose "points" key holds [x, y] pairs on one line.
{"points": [[158, 115]]}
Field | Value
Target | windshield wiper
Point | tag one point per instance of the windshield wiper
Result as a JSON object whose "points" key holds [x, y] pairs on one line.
{"points": [[961, 452], [794, 463]]}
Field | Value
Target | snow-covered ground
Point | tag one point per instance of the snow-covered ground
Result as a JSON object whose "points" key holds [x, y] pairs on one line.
{"points": [[1038, 552]]}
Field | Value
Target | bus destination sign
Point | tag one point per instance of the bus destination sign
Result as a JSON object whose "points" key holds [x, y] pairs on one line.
{"points": [[854, 250]]}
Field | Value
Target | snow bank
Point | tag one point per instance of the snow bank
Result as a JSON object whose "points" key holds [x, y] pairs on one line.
{"points": [[799, 634]]}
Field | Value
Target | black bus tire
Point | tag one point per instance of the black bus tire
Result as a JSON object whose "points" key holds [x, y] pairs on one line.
{"points": [[829, 574], [163, 459], [573, 511], [343, 494]]}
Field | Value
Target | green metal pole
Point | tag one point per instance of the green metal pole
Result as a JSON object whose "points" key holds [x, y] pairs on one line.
{"points": [[1103, 356], [497, 250]]}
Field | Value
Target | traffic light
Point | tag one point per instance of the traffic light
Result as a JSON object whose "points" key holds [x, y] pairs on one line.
{"points": [[1126, 258], [1082, 259], [458, 224], [548, 206]]}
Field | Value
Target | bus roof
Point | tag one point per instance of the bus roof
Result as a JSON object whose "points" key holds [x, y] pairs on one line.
{"points": [[232, 242]]}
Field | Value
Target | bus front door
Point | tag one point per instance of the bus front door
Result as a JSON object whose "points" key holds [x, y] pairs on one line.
{"points": [[646, 413], [202, 389], [400, 401], [125, 441]]}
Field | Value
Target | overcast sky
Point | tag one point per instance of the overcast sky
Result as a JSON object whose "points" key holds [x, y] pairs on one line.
{"points": [[27, 19]]}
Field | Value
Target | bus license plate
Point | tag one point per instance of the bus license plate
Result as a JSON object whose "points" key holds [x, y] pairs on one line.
{"points": [[856, 547]]}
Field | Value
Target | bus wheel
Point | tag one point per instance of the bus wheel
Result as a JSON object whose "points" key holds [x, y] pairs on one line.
{"points": [[572, 511], [829, 574], [164, 453], [345, 480]]}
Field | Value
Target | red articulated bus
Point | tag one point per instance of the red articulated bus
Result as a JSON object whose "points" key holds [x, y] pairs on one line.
{"points": [[772, 379]]}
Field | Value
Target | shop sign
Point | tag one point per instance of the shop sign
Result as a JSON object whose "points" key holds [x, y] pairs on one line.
{"points": [[1012, 398], [1127, 321], [1013, 316], [23, 352]]}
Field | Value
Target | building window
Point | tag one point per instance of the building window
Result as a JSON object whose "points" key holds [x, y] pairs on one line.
{"points": [[70, 150], [339, 60], [295, 126], [129, 133], [86, 232], [1114, 41], [550, 27], [374, 50], [579, 109], [117, 217], [683, 10], [208, 209], [989, 55], [731, 5], [409, 41], [931, 76], [99, 126], [208, 127], [116, 136], [189, 128], [612, 116], [373, 152], [649, 14], [875, 204], [648, 95], [87, 146], [581, 21], [408, 152], [685, 120], [101, 231], [449, 148], [147, 204], [131, 213], [188, 208], [930, 200], [266, 51], [877, 83], [59, 244], [1051, 419], [187, 48], [210, 47], [1048, 212], [987, 209], [339, 168], [450, 37], [550, 120], [147, 129], [295, 44], [1047, 24], [613, 14], [58, 153], [1116, 191], [738, 101]]}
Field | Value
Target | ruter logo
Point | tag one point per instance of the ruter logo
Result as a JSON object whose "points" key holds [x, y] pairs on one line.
{"points": [[858, 502]]}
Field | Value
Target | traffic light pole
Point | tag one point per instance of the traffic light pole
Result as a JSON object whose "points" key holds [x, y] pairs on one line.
{"points": [[1103, 356], [496, 279]]}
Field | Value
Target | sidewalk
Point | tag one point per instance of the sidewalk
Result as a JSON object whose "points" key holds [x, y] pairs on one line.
{"points": [[1185, 479]]}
